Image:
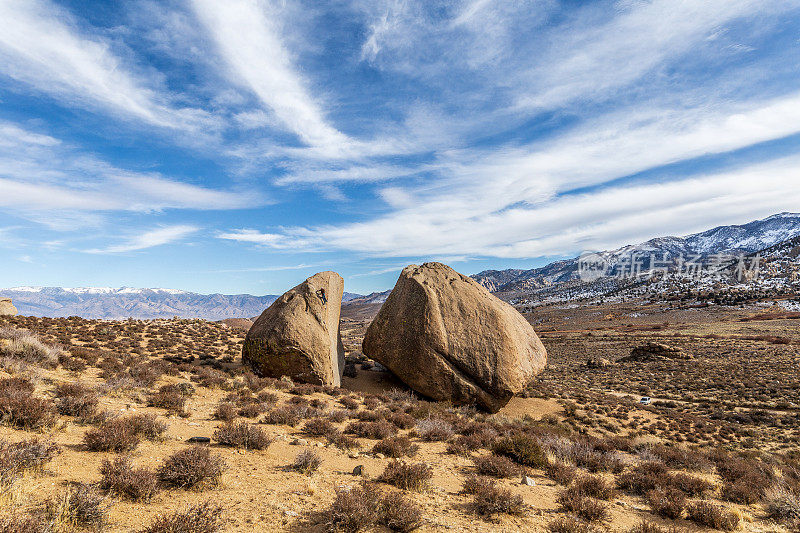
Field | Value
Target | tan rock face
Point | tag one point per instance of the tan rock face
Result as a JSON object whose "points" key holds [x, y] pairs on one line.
{"points": [[298, 335], [448, 338], [7, 308]]}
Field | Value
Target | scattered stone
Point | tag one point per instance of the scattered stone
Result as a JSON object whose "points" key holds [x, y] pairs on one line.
{"points": [[299, 442], [298, 335], [199, 440], [450, 339], [380, 456], [598, 363], [529, 481], [359, 470]]}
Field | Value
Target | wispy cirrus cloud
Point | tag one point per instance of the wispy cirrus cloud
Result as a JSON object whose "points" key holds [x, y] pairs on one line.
{"points": [[149, 239]]}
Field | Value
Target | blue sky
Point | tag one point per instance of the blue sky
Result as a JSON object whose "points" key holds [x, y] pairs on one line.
{"points": [[240, 146]]}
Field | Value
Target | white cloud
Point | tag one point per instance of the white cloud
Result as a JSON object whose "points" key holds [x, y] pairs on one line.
{"points": [[248, 38], [41, 46], [149, 239]]}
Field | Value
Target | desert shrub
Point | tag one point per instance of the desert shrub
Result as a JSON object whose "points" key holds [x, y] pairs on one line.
{"points": [[342, 441], [209, 377], [396, 447], [691, 485], [496, 466], [582, 506], [19, 408], [399, 513], [23, 524], [202, 518], [242, 435], [406, 476], [306, 462], [644, 478], [464, 445], [170, 397], [79, 505], [350, 403], [302, 390], [119, 477], [285, 415], [252, 410], [648, 527], [18, 457], [338, 415], [522, 448], [401, 420], [368, 416], [489, 499], [745, 490], [353, 509], [76, 399], [561, 473], [713, 516], [225, 411], [269, 398], [593, 486], [472, 484], [146, 425], [318, 427], [569, 524], [680, 457], [27, 347], [667, 503], [434, 429], [371, 430], [783, 504], [114, 435], [193, 467]]}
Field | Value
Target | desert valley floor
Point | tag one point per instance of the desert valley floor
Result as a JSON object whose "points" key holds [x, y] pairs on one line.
{"points": [[716, 449]]}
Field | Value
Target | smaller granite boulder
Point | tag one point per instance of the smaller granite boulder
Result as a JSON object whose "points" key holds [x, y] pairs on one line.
{"points": [[7, 308], [298, 335]]}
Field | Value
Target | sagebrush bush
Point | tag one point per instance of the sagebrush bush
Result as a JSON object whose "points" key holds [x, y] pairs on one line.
{"points": [[594, 487], [464, 445], [407, 476], [318, 427], [644, 478], [522, 448], [201, 518], [713, 516], [399, 513], [396, 447], [496, 466], [353, 509], [192, 467], [434, 429], [27, 347], [17, 457], [171, 397], [667, 503], [561, 473], [342, 441], [113, 435], [569, 524], [582, 506], [489, 500], [225, 411], [23, 524], [76, 399], [307, 462], [242, 435], [79, 505], [121, 478], [372, 430], [286, 415], [19, 408], [783, 504], [648, 527]]}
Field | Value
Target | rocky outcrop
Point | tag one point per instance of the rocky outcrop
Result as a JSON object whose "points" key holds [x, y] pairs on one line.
{"points": [[298, 335], [448, 338], [654, 351], [598, 363], [7, 307]]}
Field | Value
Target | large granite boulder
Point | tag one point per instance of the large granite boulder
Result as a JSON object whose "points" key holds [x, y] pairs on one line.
{"points": [[7, 308], [450, 339], [298, 335], [655, 351]]}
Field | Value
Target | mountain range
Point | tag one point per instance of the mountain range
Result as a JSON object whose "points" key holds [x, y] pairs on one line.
{"points": [[775, 238]]}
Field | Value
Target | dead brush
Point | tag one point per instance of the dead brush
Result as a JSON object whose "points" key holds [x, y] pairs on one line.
{"points": [[561, 473], [201, 518], [496, 466], [434, 429], [25, 346], [225, 411], [170, 397], [569, 524], [489, 499], [371, 430], [318, 427], [192, 468], [594, 487], [342, 441], [364, 506], [307, 462], [76, 399], [783, 504], [464, 445], [714, 516], [407, 476], [20, 409], [16, 523], [667, 503], [79, 505], [396, 447], [583, 506], [123, 434], [242, 435], [120, 478], [522, 448], [18, 457]]}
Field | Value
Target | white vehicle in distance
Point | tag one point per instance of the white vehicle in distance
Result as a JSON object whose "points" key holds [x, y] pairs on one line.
{"points": [[646, 400]]}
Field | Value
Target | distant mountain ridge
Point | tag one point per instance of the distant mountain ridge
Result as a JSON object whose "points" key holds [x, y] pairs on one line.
{"points": [[127, 302], [734, 239]]}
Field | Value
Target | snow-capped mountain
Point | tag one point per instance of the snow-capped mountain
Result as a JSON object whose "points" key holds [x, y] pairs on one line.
{"points": [[730, 240], [125, 302]]}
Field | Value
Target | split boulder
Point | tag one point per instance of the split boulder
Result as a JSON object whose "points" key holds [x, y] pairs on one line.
{"points": [[298, 335], [450, 339], [7, 307]]}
